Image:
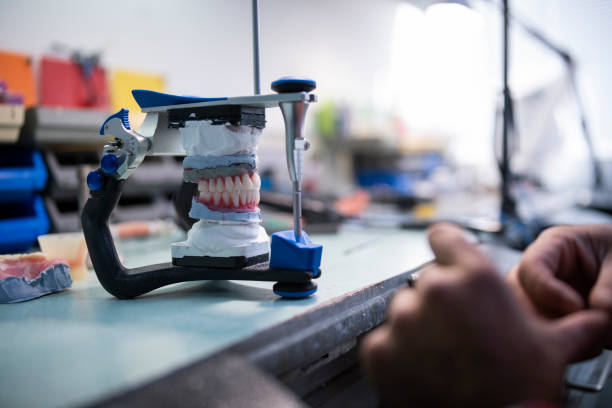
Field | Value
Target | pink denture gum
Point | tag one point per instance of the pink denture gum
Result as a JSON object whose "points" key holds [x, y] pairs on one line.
{"points": [[28, 276]]}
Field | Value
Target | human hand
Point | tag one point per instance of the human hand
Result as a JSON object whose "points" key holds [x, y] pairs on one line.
{"points": [[461, 338], [565, 270]]}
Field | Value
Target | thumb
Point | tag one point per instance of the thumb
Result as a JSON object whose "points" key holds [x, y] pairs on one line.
{"points": [[580, 335], [452, 245]]}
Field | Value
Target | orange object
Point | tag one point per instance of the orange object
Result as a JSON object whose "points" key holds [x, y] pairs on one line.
{"points": [[64, 84], [353, 204], [16, 71]]}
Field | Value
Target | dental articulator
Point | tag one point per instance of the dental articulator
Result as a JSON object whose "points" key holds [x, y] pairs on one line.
{"points": [[218, 138]]}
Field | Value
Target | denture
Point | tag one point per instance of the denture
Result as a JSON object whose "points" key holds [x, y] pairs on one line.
{"points": [[222, 161], [238, 192]]}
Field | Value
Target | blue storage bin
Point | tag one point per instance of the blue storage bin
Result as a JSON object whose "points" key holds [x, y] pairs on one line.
{"points": [[391, 181], [21, 222], [400, 177], [22, 213], [21, 172]]}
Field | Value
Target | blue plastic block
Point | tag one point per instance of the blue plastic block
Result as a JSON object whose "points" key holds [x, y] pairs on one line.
{"points": [[151, 99], [123, 114], [286, 253]]}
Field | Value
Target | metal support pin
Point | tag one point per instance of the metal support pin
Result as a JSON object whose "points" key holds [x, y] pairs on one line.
{"points": [[297, 209], [256, 75], [294, 114]]}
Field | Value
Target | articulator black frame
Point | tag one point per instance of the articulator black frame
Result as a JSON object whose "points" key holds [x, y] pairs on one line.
{"points": [[126, 283]]}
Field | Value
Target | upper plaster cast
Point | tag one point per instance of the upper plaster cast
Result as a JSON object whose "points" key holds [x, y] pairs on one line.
{"points": [[202, 138]]}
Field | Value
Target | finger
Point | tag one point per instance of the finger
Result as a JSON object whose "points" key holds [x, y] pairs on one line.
{"points": [[441, 287], [451, 246], [403, 307], [517, 289], [545, 290], [580, 334], [559, 268], [374, 349], [601, 295]]}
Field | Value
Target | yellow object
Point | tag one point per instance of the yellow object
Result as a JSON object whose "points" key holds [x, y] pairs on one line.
{"points": [[424, 211], [70, 247], [122, 83]]}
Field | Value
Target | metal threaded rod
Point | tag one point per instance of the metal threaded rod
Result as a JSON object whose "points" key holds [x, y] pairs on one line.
{"points": [[255, 14], [297, 209]]}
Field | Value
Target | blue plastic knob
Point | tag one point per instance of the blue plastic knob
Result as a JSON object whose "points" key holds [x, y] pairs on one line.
{"points": [[95, 180], [109, 163], [293, 84]]}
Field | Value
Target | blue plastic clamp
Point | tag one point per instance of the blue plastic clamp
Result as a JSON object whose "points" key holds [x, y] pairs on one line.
{"points": [[123, 114]]}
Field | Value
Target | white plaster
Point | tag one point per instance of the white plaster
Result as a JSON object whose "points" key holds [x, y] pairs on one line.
{"points": [[201, 138], [223, 240]]}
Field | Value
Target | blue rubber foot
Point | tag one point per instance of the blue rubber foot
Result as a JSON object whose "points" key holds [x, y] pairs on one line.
{"points": [[293, 84], [291, 290], [287, 253]]}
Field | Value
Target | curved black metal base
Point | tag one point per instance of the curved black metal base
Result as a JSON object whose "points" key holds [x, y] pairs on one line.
{"points": [[127, 283]]}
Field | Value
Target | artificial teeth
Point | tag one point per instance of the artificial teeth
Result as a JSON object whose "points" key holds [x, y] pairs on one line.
{"points": [[246, 182], [256, 181], [231, 191], [229, 183], [203, 185], [237, 183]]}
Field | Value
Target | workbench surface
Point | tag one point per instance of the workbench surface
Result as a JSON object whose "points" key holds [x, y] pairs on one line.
{"points": [[82, 345]]}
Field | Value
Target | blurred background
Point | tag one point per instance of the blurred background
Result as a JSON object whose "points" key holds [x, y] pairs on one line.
{"points": [[407, 129]]}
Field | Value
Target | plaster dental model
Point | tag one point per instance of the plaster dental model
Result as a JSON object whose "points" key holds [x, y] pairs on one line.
{"points": [[221, 160], [28, 276]]}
